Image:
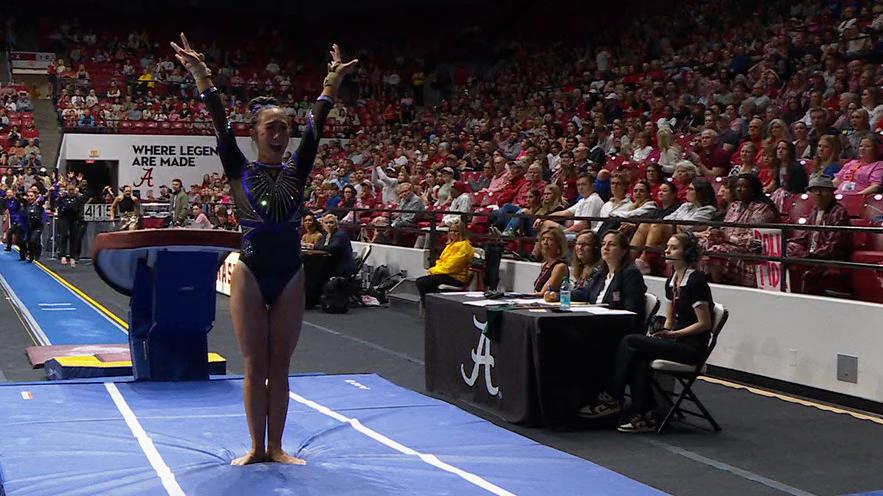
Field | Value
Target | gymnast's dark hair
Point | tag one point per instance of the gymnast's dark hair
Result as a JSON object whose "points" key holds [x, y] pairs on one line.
{"points": [[257, 105]]}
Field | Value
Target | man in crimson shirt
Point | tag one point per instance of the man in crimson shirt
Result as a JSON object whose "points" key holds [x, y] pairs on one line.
{"points": [[712, 159]]}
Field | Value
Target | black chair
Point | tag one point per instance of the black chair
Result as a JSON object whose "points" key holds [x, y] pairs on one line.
{"points": [[686, 375]]}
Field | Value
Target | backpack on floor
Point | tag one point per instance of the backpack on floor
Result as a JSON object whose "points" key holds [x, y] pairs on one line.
{"points": [[335, 297]]}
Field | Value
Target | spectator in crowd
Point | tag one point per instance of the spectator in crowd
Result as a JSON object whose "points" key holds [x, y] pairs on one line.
{"points": [[347, 202], [588, 205], [198, 219], [863, 175], [713, 160], [550, 201], [452, 266], [618, 201], [513, 198], [747, 163], [484, 180], [791, 177], [670, 153], [701, 206], [827, 160], [223, 218], [410, 202], [461, 202], [685, 171], [389, 185], [566, 177], [337, 243], [821, 245], [553, 246], [684, 338], [860, 127], [313, 233], [752, 206]]}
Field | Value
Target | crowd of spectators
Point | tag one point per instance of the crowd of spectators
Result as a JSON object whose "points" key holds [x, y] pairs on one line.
{"points": [[743, 100], [19, 137]]}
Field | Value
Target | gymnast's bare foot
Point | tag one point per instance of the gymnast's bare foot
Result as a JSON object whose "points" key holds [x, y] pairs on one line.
{"points": [[280, 456], [250, 457]]}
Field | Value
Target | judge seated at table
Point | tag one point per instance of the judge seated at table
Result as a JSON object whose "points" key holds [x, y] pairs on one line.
{"points": [[337, 243], [452, 267], [618, 283], [553, 246]]}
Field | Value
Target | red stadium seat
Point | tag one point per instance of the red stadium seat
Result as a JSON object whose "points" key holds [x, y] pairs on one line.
{"points": [[854, 204], [801, 206], [809, 166], [873, 207]]}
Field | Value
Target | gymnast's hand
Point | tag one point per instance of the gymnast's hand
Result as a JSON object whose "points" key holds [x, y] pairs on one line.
{"points": [[192, 60], [337, 69]]}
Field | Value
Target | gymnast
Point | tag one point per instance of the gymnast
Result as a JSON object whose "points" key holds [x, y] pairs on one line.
{"points": [[267, 293]]}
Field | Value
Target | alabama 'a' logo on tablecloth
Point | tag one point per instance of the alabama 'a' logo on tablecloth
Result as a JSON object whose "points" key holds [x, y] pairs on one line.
{"points": [[482, 357]]}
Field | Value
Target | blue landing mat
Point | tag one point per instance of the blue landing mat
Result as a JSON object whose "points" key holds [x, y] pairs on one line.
{"points": [[360, 434], [59, 315]]}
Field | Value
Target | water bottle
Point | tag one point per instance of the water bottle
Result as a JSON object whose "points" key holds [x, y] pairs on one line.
{"points": [[565, 293]]}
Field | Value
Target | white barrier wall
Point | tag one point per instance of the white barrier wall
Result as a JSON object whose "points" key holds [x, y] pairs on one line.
{"points": [[789, 337]]}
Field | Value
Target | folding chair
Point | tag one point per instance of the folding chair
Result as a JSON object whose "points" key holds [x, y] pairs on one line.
{"points": [[686, 375], [651, 307]]}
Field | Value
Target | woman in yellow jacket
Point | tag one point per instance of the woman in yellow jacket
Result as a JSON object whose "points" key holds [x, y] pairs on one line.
{"points": [[452, 267]]}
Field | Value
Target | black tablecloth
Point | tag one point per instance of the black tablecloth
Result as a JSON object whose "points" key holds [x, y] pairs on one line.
{"points": [[538, 370]]}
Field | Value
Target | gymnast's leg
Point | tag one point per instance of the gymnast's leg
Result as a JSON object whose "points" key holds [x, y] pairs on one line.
{"points": [[286, 320], [251, 323]]}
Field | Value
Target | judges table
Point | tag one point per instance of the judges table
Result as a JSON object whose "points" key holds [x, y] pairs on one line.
{"points": [[536, 367]]}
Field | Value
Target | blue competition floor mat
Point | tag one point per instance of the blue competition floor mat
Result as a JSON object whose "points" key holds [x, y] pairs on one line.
{"points": [[360, 434], [58, 315]]}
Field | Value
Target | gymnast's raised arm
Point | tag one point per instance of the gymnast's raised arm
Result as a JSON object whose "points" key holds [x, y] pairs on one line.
{"points": [[231, 157], [309, 144]]}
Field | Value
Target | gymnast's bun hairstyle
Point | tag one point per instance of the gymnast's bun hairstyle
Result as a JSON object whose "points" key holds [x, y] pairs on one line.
{"points": [[257, 105]]}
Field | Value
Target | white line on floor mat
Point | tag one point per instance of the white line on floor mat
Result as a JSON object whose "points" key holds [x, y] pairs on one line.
{"points": [[159, 465], [428, 458], [26, 314]]}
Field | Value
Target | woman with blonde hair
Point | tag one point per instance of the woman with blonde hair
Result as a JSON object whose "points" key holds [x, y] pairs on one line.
{"points": [[670, 153], [827, 159], [553, 246], [452, 266]]}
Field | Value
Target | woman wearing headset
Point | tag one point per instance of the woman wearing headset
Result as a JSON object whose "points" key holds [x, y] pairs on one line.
{"points": [[683, 338]]}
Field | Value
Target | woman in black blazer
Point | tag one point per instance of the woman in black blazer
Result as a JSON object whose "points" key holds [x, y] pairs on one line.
{"points": [[618, 283], [337, 243]]}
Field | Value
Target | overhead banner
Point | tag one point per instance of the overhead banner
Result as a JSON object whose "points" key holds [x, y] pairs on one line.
{"points": [[150, 161]]}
